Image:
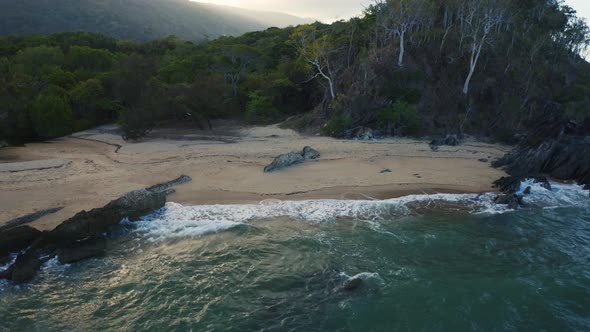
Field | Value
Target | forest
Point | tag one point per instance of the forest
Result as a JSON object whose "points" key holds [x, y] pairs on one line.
{"points": [[489, 68]]}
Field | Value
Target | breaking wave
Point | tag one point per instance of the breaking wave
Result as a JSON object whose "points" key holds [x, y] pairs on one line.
{"points": [[176, 220]]}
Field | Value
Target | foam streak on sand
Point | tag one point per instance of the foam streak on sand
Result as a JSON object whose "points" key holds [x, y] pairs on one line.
{"points": [[176, 220]]}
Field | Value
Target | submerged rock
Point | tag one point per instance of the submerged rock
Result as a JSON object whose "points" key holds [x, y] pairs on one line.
{"points": [[82, 250], [528, 190], [351, 284], [310, 154], [284, 161]]}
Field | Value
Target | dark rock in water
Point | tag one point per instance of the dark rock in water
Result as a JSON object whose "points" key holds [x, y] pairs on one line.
{"points": [[3, 144], [451, 140], [564, 158], [71, 238], [434, 148], [80, 251], [484, 160], [528, 190], [387, 170], [17, 238], [351, 284], [87, 224], [165, 186], [26, 267], [5, 260], [508, 184], [284, 161], [544, 182], [513, 201], [310, 154]]}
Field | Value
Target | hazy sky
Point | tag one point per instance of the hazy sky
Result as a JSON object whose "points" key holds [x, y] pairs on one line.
{"points": [[330, 10]]}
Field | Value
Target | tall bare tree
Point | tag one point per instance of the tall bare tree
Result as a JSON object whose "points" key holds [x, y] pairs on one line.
{"points": [[317, 52], [480, 21], [402, 17]]}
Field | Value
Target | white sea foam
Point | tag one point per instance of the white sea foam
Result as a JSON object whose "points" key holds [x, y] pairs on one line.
{"points": [[560, 195], [176, 220]]}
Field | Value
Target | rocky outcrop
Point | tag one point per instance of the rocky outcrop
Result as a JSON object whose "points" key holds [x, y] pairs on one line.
{"points": [[90, 223], [284, 161], [70, 241], [291, 159], [78, 251], [511, 189], [3, 144], [17, 238], [165, 187], [310, 154], [566, 158]]}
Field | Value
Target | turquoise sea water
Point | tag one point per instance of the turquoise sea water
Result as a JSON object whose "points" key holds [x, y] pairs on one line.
{"points": [[428, 263]]}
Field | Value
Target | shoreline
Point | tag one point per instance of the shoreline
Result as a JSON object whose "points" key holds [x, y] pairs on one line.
{"points": [[96, 166]]}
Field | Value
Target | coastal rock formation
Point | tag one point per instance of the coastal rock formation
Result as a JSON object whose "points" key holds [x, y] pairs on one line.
{"points": [[164, 187], [72, 240], [89, 223], [95, 247], [17, 238], [310, 154], [292, 158], [566, 158]]}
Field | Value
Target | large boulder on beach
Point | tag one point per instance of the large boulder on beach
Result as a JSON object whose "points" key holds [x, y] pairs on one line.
{"points": [[310, 153], [284, 161], [17, 238], [450, 140]]}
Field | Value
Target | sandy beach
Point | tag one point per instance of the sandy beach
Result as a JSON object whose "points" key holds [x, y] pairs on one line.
{"points": [[90, 168]]}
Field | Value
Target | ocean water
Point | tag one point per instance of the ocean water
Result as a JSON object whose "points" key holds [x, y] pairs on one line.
{"points": [[428, 263]]}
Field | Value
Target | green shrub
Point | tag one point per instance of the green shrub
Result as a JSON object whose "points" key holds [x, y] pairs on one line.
{"points": [[337, 126], [51, 113], [400, 119], [260, 109]]}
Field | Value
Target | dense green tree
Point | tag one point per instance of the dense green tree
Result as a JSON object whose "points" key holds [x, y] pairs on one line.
{"points": [[51, 113]]}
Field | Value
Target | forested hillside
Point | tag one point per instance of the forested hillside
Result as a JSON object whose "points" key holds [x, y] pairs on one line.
{"points": [[407, 67], [135, 19]]}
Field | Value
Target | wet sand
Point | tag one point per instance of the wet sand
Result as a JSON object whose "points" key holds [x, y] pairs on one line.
{"points": [[90, 168]]}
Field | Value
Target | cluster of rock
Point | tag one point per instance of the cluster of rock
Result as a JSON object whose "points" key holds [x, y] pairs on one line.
{"points": [[80, 237], [450, 140], [566, 158], [292, 158], [511, 190]]}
